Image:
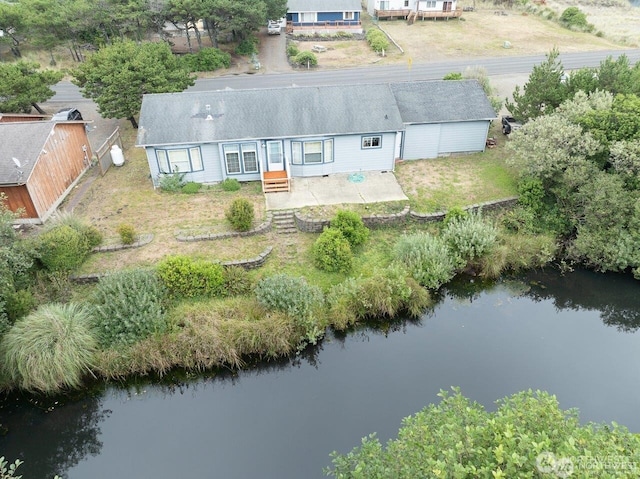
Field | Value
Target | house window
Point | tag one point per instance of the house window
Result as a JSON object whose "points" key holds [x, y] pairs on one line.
{"points": [[406, 3], [241, 158], [349, 16], [384, 5], [184, 160], [307, 17], [431, 3], [311, 152], [371, 142]]}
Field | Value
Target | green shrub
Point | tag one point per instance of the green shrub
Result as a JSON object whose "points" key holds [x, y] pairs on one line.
{"points": [[240, 214], [185, 277], [51, 349], [237, 281], [171, 182], [386, 293], [128, 307], [332, 252], [573, 17], [230, 184], [453, 76], [62, 248], [453, 214], [295, 297], [306, 58], [191, 187], [248, 46], [127, 233], [18, 304], [427, 258], [469, 238], [206, 60], [350, 224], [292, 50], [377, 40], [90, 233]]}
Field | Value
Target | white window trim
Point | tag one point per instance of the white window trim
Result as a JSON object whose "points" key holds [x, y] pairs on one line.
{"points": [[314, 17], [349, 16], [241, 149], [194, 156], [298, 154], [370, 140]]}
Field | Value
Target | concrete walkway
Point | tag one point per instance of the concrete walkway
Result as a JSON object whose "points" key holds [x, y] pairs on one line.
{"points": [[365, 187]]}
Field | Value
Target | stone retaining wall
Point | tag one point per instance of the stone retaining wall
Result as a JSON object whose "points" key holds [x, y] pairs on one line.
{"points": [[142, 240], [486, 206], [312, 225], [262, 228]]}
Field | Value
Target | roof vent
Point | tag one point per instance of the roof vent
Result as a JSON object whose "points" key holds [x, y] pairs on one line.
{"points": [[207, 107], [209, 118]]}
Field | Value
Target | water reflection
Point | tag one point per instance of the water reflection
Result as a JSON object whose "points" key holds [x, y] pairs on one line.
{"points": [[50, 435]]}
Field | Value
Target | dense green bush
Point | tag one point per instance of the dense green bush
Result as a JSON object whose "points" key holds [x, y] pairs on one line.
{"points": [[247, 46], [377, 40], [292, 50], [332, 252], [306, 58], [295, 297], [386, 293], [469, 238], [171, 182], [62, 248], [127, 233], [240, 214], [18, 304], [427, 258], [236, 281], [51, 349], [350, 224], [188, 278], [574, 18], [453, 214], [206, 60], [453, 76], [230, 184], [191, 187], [128, 306]]}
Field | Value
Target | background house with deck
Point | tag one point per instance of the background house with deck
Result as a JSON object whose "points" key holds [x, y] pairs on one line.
{"points": [[40, 162], [414, 9], [277, 134], [323, 16]]}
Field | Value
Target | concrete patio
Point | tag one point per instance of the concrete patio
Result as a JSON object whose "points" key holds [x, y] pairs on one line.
{"points": [[365, 187]]}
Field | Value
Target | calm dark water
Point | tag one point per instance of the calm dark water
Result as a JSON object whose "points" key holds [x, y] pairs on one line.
{"points": [[572, 335]]}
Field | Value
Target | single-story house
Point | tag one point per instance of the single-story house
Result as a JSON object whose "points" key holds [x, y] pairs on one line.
{"points": [[279, 133], [414, 9], [323, 16], [40, 162]]}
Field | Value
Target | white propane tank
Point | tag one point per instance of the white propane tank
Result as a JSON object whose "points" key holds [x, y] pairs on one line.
{"points": [[116, 156]]}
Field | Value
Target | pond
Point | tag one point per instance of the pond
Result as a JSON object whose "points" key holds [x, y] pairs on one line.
{"points": [[572, 335]]}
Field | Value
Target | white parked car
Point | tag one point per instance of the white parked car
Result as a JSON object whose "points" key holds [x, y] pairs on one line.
{"points": [[273, 28]]}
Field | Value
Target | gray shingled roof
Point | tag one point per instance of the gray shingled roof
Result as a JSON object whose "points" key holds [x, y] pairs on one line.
{"points": [[181, 118], [175, 118], [442, 101], [324, 5], [24, 141]]}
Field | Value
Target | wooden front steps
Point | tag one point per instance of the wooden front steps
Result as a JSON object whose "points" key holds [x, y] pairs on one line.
{"points": [[274, 181], [411, 18], [284, 222]]}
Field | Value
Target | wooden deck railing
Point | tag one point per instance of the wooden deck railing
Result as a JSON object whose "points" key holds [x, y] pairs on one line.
{"points": [[417, 14], [328, 25]]}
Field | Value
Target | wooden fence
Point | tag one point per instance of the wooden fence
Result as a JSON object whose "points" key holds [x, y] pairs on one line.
{"points": [[103, 153]]}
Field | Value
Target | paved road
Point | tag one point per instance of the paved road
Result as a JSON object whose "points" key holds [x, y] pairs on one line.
{"points": [[498, 67]]}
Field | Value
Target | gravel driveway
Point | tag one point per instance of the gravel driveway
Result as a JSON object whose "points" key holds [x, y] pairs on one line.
{"points": [[273, 54]]}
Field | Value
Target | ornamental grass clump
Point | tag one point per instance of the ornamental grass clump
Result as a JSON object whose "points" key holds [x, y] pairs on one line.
{"points": [[469, 238], [51, 349], [129, 306], [427, 258], [295, 297]]}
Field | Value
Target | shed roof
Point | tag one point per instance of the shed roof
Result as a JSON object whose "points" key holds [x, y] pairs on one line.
{"points": [[23, 141], [224, 115], [324, 5], [442, 101]]}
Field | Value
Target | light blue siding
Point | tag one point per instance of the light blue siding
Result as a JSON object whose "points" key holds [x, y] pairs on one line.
{"points": [[421, 141], [211, 173], [463, 136]]}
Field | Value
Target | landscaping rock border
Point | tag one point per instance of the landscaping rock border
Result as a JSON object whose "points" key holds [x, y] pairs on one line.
{"points": [[486, 206], [142, 240], [308, 224], [262, 228]]}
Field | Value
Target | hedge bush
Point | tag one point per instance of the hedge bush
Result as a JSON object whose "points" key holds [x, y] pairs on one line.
{"points": [[247, 46], [230, 184], [185, 277], [206, 60], [332, 252], [128, 307], [573, 17], [127, 233], [240, 214], [427, 258], [292, 50], [191, 187], [377, 40], [350, 224], [51, 349], [306, 58], [62, 248]]}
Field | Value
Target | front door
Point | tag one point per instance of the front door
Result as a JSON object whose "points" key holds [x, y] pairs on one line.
{"points": [[275, 155]]}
